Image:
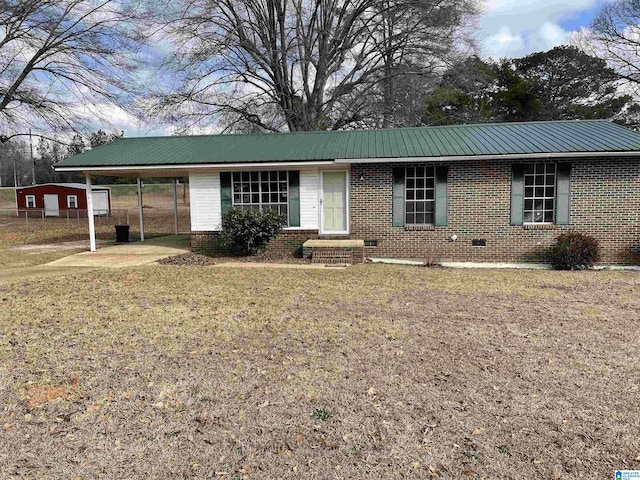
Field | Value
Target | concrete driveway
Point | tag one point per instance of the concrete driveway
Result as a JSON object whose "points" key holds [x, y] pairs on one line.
{"points": [[127, 254]]}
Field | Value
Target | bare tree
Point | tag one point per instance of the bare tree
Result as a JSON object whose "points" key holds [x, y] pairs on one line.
{"points": [[302, 64], [58, 58], [15, 163], [615, 37]]}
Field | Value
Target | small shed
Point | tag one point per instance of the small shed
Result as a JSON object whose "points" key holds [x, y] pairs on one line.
{"points": [[54, 198]]}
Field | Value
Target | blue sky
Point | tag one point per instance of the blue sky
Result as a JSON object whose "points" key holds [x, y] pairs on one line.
{"points": [[514, 28]]}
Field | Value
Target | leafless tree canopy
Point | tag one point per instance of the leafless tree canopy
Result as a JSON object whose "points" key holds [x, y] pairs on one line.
{"points": [[304, 64], [58, 55], [616, 38]]}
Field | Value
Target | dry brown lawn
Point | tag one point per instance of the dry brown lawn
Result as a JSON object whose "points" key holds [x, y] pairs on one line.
{"points": [[370, 372]]}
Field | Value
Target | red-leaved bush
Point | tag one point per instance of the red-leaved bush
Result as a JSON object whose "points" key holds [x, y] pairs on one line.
{"points": [[574, 251]]}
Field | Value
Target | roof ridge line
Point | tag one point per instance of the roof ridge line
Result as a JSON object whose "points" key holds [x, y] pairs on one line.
{"points": [[324, 132]]}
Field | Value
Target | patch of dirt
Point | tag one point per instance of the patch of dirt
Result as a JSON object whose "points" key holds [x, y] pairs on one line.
{"points": [[9, 237], [37, 395], [188, 259]]}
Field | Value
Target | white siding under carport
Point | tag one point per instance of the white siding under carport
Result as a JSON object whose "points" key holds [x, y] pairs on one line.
{"points": [[206, 215], [204, 195]]}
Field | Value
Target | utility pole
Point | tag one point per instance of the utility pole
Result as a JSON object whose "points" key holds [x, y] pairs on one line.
{"points": [[15, 186], [15, 173], [33, 162]]}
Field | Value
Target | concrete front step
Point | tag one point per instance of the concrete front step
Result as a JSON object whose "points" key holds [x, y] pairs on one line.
{"points": [[334, 252]]}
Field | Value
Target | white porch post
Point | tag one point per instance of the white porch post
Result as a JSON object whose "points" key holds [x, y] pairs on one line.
{"points": [[175, 204], [92, 226], [141, 210]]}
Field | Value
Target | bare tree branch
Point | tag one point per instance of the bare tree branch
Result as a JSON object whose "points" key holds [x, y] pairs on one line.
{"points": [[307, 64], [57, 55]]}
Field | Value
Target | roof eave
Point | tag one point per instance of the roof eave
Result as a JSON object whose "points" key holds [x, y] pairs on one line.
{"points": [[508, 156], [245, 165], [217, 166]]}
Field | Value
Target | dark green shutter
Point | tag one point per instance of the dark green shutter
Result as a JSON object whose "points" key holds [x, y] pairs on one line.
{"points": [[563, 194], [294, 198], [225, 191], [398, 197], [517, 195], [442, 197]]}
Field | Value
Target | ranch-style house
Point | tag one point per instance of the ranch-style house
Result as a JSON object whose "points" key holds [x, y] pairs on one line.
{"points": [[481, 193]]}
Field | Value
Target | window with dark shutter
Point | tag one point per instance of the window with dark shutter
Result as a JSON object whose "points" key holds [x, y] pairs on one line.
{"points": [[540, 194], [420, 196]]}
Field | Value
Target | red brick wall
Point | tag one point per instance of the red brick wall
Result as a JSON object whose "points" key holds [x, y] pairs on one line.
{"points": [[288, 242], [605, 203]]}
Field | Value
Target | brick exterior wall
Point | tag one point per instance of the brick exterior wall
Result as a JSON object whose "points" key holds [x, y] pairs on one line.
{"points": [[605, 203], [288, 242]]}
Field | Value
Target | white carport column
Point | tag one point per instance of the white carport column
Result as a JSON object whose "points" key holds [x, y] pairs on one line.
{"points": [[141, 204], [175, 205], [92, 225]]}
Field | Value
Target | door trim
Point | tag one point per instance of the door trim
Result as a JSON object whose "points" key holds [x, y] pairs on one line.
{"points": [[348, 202]]}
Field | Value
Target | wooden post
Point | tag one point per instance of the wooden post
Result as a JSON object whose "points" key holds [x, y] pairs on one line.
{"points": [[175, 204], [92, 226], [141, 210]]}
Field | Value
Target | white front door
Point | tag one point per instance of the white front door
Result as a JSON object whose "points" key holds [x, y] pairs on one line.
{"points": [[334, 202], [51, 206]]}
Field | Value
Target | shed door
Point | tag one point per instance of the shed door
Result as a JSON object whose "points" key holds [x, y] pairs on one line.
{"points": [[334, 202], [51, 205], [100, 203]]}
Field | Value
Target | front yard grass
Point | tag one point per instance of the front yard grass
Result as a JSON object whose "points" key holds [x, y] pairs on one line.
{"points": [[375, 372]]}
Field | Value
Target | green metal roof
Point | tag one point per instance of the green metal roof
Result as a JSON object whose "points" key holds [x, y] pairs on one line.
{"points": [[588, 136]]}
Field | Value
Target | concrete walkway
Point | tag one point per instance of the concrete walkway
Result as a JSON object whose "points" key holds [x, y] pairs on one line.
{"points": [[127, 254]]}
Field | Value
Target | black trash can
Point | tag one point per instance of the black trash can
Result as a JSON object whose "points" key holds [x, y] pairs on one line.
{"points": [[122, 233]]}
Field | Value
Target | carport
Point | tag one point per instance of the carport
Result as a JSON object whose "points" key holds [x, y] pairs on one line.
{"points": [[137, 173]]}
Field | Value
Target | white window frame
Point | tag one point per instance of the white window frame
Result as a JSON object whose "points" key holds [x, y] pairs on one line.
{"points": [[260, 181], [75, 201], [429, 174], [544, 198], [30, 199]]}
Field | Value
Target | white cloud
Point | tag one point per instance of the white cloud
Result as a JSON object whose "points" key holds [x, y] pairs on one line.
{"points": [[110, 117], [548, 36], [505, 43], [513, 28]]}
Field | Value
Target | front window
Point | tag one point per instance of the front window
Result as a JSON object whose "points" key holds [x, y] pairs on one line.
{"points": [[419, 195], [31, 201], [72, 201], [261, 191], [539, 193]]}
